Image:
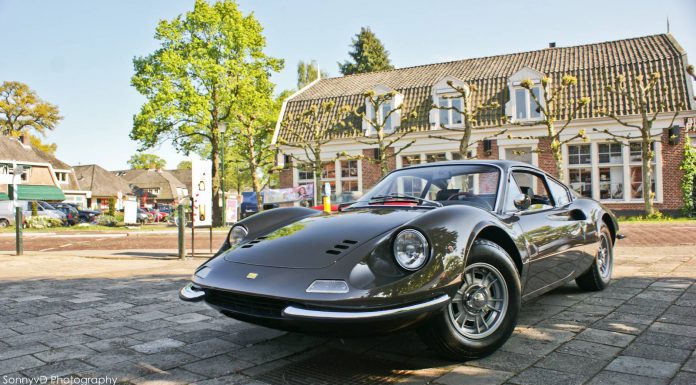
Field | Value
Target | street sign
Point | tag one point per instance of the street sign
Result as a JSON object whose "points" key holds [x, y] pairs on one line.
{"points": [[202, 194]]}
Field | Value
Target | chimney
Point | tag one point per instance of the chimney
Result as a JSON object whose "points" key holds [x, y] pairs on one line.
{"points": [[24, 139], [552, 44]]}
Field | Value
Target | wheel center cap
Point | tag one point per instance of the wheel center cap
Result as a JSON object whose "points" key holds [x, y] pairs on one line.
{"points": [[477, 300]]}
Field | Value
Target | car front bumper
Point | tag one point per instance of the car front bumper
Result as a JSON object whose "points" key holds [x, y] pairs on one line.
{"points": [[294, 316]]}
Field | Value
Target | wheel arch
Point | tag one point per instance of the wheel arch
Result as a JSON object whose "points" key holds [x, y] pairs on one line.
{"points": [[611, 225], [501, 238]]}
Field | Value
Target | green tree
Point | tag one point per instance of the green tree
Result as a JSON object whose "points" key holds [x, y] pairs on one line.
{"points": [[556, 102], [641, 95], [309, 131], [210, 67], [184, 165], [141, 161], [49, 148], [308, 72], [368, 54], [382, 133], [22, 110], [469, 111]]}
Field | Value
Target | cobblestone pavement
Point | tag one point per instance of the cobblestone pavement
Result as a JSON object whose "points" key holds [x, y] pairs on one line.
{"points": [[122, 319]]}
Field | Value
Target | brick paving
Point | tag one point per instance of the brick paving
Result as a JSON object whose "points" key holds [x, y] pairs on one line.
{"points": [[122, 319]]}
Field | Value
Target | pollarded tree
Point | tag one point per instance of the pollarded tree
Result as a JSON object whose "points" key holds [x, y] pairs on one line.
{"points": [[557, 102], [644, 97], [209, 67], [21, 109], [470, 112], [310, 130], [368, 54], [381, 131]]}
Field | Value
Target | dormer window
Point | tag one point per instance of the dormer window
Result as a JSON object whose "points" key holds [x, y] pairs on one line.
{"points": [[447, 100], [522, 106], [388, 111], [525, 106]]}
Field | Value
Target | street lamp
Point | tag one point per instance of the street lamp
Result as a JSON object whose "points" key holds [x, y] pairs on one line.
{"points": [[223, 130]]}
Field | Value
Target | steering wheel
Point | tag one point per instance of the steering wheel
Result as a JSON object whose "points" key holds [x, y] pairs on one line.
{"points": [[461, 193]]}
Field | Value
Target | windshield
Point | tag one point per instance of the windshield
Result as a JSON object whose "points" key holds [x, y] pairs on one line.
{"points": [[446, 185]]}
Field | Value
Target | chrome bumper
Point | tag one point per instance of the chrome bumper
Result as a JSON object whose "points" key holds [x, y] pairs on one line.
{"points": [[306, 314], [191, 293]]}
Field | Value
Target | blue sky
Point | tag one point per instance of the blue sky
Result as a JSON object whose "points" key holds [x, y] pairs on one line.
{"points": [[78, 54]]}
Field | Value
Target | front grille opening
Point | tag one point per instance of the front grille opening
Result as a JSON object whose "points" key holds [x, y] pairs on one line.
{"points": [[348, 241], [342, 247], [246, 246], [334, 252], [246, 304]]}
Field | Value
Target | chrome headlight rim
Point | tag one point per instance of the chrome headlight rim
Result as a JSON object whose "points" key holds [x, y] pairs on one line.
{"points": [[238, 240], [425, 247]]}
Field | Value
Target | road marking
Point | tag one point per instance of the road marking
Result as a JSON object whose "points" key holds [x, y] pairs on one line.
{"points": [[66, 245], [49, 249]]}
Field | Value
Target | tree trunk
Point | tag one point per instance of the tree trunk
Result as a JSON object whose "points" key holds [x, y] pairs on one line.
{"points": [[215, 175], [558, 158], [317, 176], [648, 195], [464, 143]]}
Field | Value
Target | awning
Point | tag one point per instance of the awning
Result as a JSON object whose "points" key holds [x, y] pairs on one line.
{"points": [[4, 197], [37, 192]]}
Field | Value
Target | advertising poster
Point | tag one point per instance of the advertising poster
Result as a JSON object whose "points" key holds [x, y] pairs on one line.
{"points": [[202, 194], [130, 212], [231, 207], [291, 194]]}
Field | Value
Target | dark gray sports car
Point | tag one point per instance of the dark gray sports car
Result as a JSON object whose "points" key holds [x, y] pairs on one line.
{"points": [[451, 248]]}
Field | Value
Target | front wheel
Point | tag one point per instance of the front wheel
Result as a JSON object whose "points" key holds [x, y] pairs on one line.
{"points": [[483, 313], [598, 276]]}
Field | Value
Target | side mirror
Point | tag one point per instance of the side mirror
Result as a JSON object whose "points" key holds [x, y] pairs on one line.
{"points": [[522, 202]]}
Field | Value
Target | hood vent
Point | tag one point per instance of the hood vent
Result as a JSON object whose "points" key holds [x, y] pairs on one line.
{"points": [[345, 245]]}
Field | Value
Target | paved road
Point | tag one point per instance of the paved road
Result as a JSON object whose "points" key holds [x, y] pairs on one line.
{"points": [[90, 318]]}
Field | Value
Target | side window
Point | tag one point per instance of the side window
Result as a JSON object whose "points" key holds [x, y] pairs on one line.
{"points": [[559, 192], [512, 192], [534, 186]]}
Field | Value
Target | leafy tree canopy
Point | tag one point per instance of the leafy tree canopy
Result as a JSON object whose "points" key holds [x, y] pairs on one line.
{"points": [[368, 55], [308, 72], [184, 165], [142, 161], [21, 110]]}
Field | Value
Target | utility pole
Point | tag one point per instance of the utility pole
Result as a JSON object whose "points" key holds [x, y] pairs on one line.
{"points": [[19, 217], [223, 146]]}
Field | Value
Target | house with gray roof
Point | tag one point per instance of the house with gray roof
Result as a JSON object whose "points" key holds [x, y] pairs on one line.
{"points": [[103, 185], [154, 186], [599, 168]]}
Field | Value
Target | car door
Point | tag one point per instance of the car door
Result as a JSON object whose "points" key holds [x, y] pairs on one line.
{"points": [[552, 231]]}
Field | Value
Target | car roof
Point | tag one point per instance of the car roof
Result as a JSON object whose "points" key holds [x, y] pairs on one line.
{"points": [[504, 164]]}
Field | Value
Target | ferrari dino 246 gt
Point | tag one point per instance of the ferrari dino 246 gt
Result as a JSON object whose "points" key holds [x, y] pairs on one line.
{"points": [[450, 248]]}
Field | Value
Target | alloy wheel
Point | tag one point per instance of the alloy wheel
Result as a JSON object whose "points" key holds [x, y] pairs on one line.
{"points": [[480, 304], [605, 257]]}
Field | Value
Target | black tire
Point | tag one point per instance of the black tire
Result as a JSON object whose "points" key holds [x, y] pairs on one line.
{"points": [[596, 278], [4, 223], [441, 334]]}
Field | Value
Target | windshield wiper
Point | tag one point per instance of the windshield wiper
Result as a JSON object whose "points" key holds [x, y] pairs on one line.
{"points": [[384, 198]]}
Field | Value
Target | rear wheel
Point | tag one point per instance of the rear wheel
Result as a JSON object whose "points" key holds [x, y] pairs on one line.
{"points": [[598, 276], [4, 223], [483, 312]]}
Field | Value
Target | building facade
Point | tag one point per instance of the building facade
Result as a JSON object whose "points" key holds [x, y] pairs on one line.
{"points": [[599, 168]]}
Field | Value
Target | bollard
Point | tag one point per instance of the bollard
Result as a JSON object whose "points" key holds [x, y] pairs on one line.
{"points": [[181, 222], [19, 245]]}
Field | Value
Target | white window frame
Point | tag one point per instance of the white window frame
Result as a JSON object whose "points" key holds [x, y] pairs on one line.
{"points": [[625, 166], [338, 179], [442, 89], [514, 84], [394, 103]]}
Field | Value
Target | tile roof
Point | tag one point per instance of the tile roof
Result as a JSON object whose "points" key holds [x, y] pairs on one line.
{"points": [[101, 182], [140, 179], [594, 65]]}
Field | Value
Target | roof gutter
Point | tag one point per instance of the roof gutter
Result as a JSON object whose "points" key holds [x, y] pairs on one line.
{"points": [[282, 108]]}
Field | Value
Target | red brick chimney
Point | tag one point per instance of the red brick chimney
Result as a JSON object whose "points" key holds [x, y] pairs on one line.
{"points": [[24, 139]]}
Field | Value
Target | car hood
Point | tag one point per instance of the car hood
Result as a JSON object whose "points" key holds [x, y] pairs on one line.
{"points": [[319, 241]]}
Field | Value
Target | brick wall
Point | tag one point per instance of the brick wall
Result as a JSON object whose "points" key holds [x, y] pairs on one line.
{"points": [[285, 178], [546, 161], [370, 171], [493, 154]]}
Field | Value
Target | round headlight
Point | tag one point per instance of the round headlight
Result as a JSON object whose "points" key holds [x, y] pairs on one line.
{"points": [[236, 235], [411, 249]]}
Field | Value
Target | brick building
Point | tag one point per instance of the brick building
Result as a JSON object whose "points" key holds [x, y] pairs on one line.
{"points": [[599, 168]]}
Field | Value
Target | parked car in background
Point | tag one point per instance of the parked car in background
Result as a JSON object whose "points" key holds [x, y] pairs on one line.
{"points": [[144, 216], [72, 215], [249, 204], [7, 214], [157, 215], [42, 209]]}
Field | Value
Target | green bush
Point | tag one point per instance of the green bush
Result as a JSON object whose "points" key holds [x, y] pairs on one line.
{"points": [[106, 220], [42, 222], [112, 207]]}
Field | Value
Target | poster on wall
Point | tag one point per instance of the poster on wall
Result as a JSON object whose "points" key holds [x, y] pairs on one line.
{"points": [[130, 212], [202, 194], [231, 208], [291, 194]]}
